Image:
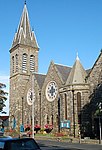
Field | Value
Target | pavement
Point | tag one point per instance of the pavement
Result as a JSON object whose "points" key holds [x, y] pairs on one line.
{"points": [[69, 139], [50, 144]]}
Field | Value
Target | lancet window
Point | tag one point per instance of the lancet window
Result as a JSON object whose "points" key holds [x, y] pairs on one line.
{"points": [[65, 107], [12, 64], [79, 107], [24, 63], [32, 63], [16, 62]]}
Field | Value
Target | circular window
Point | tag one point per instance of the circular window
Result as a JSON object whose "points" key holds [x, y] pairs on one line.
{"points": [[30, 97], [51, 91]]}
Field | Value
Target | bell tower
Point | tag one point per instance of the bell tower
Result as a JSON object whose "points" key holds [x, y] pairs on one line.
{"points": [[23, 60]]}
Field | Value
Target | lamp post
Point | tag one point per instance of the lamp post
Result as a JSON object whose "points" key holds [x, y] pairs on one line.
{"points": [[22, 110], [73, 114], [100, 130], [40, 107], [33, 120], [33, 98], [59, 114]]}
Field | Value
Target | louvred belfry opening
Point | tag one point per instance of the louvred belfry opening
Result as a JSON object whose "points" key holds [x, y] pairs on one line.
{"points": [[32, 64]]}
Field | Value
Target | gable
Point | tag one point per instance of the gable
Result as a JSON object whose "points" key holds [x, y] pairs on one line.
{"points": [[95, 74], [98, 61], [52, 75]]}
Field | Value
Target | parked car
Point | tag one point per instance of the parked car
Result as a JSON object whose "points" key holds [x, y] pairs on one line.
{"points": [[8, 143]]}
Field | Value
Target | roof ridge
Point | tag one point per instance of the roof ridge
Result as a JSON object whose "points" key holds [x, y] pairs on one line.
{"points": [[63, 65], [39, 73]]}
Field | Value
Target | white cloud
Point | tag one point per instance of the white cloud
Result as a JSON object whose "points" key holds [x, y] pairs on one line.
{"points": [[4, 79]]}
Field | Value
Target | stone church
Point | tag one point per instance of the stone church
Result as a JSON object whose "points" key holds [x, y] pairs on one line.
{"points": [[66, 98]]}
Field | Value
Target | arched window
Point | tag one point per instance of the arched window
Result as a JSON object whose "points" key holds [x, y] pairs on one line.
{"points": [[47, 119], [52, 119], [36, 121], [57, 119], [79, 107], [78, 102], [65, 106], [32, 64], [16, 62], [24, 63], [12, 64]]}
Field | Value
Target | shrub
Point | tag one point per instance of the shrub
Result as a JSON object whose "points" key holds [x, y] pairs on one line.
{"points": [[48, 128]]}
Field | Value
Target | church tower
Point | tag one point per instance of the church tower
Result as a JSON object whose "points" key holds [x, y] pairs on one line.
{"points": [[23, 60]]}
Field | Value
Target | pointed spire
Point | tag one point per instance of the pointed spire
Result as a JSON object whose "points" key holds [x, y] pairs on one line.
{"points": [[24, 33], [77, 74]]}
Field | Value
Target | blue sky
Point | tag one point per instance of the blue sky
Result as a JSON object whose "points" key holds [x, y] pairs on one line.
{"points": [[62, 28]]}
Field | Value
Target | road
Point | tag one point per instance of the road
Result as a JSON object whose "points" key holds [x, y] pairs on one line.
{"points": [[56, 145]]}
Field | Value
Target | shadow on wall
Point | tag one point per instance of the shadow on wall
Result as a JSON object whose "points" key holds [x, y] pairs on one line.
{"points": [[90, 115]]}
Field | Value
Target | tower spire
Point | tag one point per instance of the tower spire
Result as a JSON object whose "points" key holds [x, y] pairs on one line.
{"points": [[24, 33], [25, 2]]}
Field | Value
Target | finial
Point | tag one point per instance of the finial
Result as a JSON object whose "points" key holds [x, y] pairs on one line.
{"points": [[25, 2], [32, 28], [77, 56]]}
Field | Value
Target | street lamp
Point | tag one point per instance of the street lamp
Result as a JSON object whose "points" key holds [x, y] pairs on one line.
{"points": [[100, 109], [33, 98], [58, 114], [40, 107], [30, 100], [22, 110], [73, 113]]}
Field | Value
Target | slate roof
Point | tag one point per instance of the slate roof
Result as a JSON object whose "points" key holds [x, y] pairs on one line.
{"points": [[70, 75], [64, 71], [88, 71], [40, 79], [24, 34]]}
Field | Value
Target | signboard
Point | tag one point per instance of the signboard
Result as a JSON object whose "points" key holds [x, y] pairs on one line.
{"points": [[22, 128], [65, 124]]}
